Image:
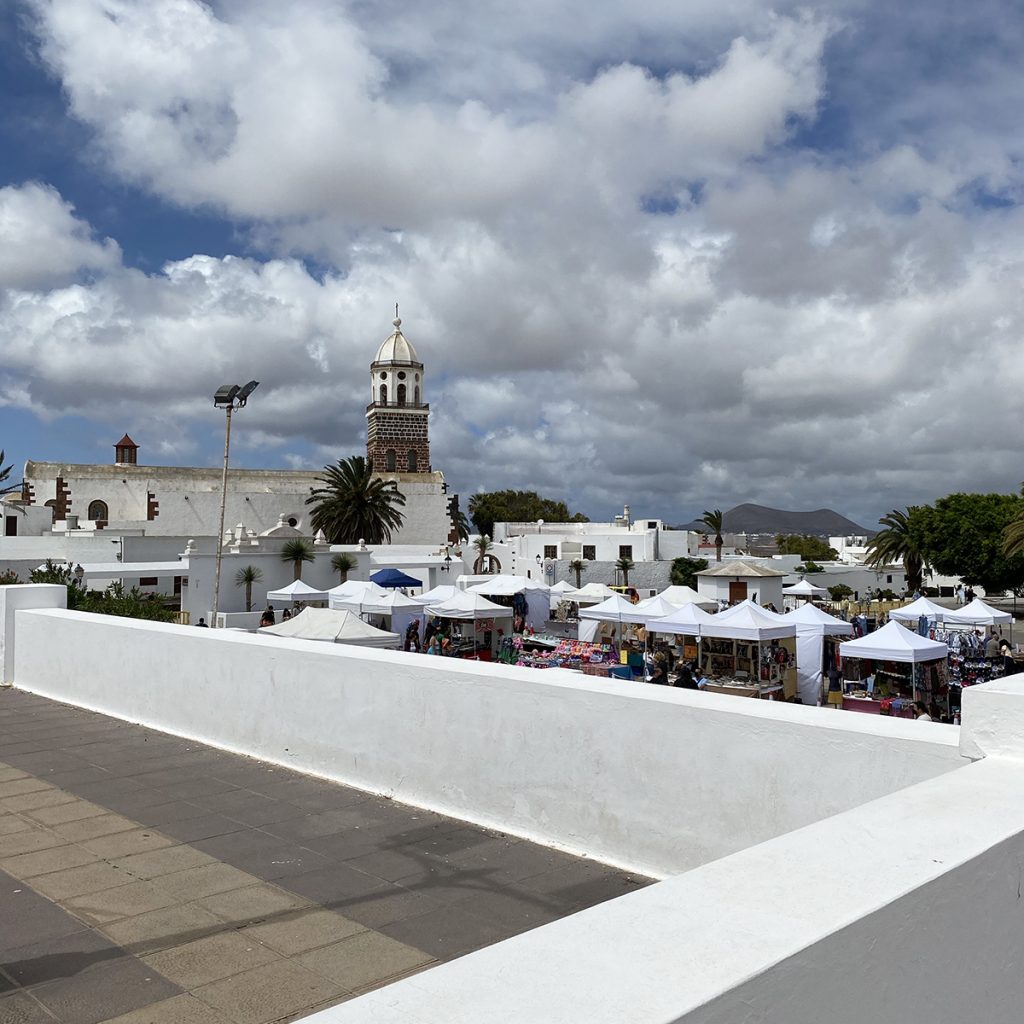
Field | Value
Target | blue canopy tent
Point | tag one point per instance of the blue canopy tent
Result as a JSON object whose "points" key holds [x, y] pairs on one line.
{"points": [[394, 578]]}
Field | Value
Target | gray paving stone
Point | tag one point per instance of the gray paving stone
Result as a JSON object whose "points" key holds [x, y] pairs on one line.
{"points": [[364, 960], [206, 826], [183, 1009], [336, 886], [67, 956], [21, 1008], [446, 933], [27, 918], [121, 986], [268, 993], [60, 858], [302, 930], [207, 960], [251, 904]]}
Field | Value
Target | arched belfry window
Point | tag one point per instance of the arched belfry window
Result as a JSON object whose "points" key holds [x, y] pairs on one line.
{"points": [[390, 460], [383, 394], [401, 394], [98, 511], [411, 459], [416, 394]]}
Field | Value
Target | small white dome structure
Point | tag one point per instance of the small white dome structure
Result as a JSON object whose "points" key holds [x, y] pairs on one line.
{"points": [[396, 347]]}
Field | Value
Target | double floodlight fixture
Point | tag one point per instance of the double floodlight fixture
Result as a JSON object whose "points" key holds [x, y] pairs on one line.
{"points": [[234, 396]]}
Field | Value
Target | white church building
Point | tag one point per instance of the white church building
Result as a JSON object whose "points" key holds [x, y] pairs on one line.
{"points": [[129, 497]]}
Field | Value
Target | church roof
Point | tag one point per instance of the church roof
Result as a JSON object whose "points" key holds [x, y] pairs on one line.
{"points": [[396, 347], [126, 442]]}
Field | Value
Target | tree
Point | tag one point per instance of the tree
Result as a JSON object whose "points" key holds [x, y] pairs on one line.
{"points": [[964, 535], [485, 562], [354, 505], [5, 475], [461, 524], [808, 567], [578, 567], [490, 507], [713, 521], [901, 540], [684, 571], [297, 551], [343, 563], [840, 592], [623, 565], [246, 577], [806, 545], [115, 600]]}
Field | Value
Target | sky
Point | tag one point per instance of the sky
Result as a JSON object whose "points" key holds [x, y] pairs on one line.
{"points": [[675, 255]]}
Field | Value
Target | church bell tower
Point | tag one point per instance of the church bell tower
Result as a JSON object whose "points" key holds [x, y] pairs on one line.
{"points": [[396, 418]]}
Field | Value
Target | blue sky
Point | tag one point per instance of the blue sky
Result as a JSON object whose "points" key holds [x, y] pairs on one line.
{"points": [[680, 257]]}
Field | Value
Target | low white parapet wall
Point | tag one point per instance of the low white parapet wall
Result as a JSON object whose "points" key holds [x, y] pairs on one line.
{"points": [[654, 779], [906, 910], [27, 595]]}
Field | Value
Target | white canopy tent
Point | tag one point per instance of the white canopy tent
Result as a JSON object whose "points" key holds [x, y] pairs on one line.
{"points": [[332, 626], [685, 621], [894, 642], [687, 595], [611, 609], [469, 606], [399, 608], [651, 607], [922, 606], [748, 621], [534, 593], [592, 593], [563, 587], [502, 585], [804, 589], [353, 595], [977, 613], [297, 591], [442, 592], [812, 626]]}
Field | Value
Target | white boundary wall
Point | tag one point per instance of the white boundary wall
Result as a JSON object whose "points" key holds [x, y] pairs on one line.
{"points": [[654, 779]]}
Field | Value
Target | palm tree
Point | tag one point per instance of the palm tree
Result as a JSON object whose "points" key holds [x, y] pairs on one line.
{"points": [[297, 551], [1013, 535], [355, 505], [461, 524], [343, 563], [713, 521], [5, 475], [485, 561], [897, 542], [623, 565], [577, 566], [246, 577]]}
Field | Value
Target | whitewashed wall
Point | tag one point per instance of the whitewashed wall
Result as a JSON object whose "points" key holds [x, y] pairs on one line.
{"points": [[653, 779], [906, 910]]}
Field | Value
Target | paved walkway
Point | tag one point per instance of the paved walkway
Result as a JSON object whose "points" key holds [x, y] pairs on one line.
{"points": [[146, 879]]}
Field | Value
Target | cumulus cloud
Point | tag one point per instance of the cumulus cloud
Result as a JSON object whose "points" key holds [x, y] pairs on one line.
{"points": [[677, 258], [44, 243]]}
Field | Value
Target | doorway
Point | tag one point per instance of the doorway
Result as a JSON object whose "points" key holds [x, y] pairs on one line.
{"points": [[737, 592]]}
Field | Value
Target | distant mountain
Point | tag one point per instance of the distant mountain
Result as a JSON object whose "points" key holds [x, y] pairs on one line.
{"points": [[822, 522]]}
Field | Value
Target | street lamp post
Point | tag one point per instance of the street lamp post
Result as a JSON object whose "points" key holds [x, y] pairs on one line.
{"points": [[229, 397]]}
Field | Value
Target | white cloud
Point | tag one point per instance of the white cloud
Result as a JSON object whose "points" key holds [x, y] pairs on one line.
{"points": [[44, 243], [801, 325]]}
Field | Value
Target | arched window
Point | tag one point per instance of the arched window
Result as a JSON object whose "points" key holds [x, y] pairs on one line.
{"points": [[52, 506], [401, 394], [411, 459], [390, 460], [383, 394], [416, 393], [98, 511]]}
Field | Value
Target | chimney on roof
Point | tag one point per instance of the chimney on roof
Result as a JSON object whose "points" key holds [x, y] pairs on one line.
{"points": [[126, 452]]}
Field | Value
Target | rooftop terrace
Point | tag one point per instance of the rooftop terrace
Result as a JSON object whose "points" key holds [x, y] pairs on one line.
{"points": [[146, 878]]}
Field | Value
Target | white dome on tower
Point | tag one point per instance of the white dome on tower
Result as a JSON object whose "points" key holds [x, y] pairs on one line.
{"points": [[396, 347]]}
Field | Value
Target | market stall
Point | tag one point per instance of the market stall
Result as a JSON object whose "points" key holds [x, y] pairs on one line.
{"points": [[396, 608], [816, 633], [684, 623], [527, 598], [395, 579], [803, 591], [921, 607], [679, 596], [297, 591], [610, 611], [332, 626], [338, 596], [886, 671], [485, 616], [748, 648]]}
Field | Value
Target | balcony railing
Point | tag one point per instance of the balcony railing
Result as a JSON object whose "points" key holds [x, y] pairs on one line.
{"points": [[398, 405]]}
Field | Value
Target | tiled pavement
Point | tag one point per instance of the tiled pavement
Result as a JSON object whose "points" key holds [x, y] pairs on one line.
{"points": [[146, 879]]}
